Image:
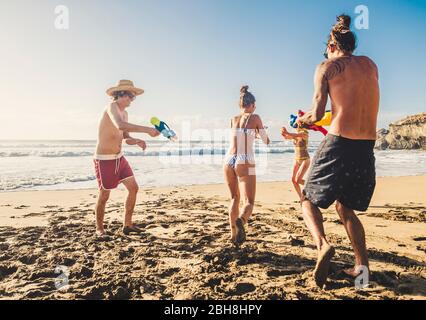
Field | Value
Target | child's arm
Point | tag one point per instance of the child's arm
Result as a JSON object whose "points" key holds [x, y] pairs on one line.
{"points": [[287, 135], [296, 135]]}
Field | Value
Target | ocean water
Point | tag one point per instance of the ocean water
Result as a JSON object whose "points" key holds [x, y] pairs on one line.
{"points": [[42, 165]]}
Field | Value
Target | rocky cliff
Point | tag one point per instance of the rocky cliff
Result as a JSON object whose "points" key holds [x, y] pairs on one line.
{"points": [[408, 133]]}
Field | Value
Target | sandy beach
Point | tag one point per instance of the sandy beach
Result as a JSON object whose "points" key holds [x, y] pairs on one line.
{"points": [[184, 252]]}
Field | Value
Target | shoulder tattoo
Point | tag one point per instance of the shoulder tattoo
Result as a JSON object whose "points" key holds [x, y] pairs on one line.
{"points": [[336, 67]]}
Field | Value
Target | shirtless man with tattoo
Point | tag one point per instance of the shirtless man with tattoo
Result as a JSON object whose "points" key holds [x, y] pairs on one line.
{"points": [[343, 168]]}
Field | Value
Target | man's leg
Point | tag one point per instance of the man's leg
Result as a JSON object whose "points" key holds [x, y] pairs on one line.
{"points": [[356, 234], [313, 219], [100, 210], [132, 188]]}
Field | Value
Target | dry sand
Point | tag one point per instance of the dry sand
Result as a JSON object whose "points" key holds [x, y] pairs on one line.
{"points": [[184, 252]]}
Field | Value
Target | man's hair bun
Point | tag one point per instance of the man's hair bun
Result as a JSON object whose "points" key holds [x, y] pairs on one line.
{"points": [[244, 89]]}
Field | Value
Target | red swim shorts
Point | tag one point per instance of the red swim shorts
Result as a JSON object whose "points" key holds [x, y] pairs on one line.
{"points": [[110, 173]]}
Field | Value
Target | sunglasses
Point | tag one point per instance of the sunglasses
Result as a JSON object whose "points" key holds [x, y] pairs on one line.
{"points": [[326, 49], [129, 94]]}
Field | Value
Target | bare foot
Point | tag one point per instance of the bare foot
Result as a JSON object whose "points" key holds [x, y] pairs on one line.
{"points": [[131, 229], [323, 264], [241, 235], [100, 232], [353, 272], [233, 233], [235, 243]]}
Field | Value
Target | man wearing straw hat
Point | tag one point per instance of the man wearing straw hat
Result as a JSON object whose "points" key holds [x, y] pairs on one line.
{"points": [[111, 166]]}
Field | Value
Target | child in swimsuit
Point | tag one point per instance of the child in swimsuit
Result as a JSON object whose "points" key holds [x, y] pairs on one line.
{"points": [[302, 158], [239, 166]]}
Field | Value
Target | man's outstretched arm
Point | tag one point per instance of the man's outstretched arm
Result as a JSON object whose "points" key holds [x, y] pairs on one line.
{"points": [[126, 136], [123, 125]]}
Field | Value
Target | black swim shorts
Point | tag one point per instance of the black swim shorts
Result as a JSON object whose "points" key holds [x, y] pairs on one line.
{"points": [[343, 170]]}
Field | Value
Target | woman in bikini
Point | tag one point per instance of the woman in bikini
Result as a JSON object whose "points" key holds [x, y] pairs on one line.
{"points": [[302, 158], [239, 167]]}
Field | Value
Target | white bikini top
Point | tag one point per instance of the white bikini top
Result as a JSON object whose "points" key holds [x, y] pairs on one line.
{"points": [[244, 128], [252, 133]]}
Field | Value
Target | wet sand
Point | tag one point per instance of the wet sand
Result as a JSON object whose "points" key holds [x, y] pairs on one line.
{"points": [[184, 251]]}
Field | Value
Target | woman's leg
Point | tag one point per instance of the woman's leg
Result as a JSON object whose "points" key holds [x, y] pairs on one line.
{"points": [[296, 186], [302, 171], [231, 180], [247, 178]]}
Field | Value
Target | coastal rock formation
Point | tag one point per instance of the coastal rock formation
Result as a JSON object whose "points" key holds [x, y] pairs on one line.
{"points": [[408, 133]]}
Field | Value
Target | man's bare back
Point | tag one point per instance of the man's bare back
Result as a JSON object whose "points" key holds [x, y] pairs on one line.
{"points": [[343, 170], [110, 138], [354, 91]]}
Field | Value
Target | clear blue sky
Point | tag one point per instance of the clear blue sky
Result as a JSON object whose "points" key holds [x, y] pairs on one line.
{"points": [[191, 57]]}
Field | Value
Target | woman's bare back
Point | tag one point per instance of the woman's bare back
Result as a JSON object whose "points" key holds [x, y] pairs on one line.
{"points": [[244, 127]]}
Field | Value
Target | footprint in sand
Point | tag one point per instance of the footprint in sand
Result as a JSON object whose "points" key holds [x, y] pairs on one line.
{"points": [[170, 271], [243, 288], [279, 273], [421, 248], [7, 270], [34, 214], [296, 242], [50, 206], [28, 259], [81, 271], [385, 278], [39, 274], [419, 239], [21, 207]]}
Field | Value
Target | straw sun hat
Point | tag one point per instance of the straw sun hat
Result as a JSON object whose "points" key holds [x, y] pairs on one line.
{"points": [[125, 85]]}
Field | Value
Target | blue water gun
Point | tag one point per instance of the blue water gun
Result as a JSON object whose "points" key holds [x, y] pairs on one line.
{"points": [[164, 129], [292, 121]]}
